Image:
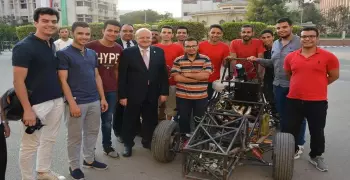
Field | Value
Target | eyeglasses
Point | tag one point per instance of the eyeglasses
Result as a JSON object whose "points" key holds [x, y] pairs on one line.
{"points": [[310, 37], [188, 47]]}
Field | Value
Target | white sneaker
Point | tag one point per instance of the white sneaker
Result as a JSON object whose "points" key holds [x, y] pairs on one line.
{"points": [[50, 176], [299, 152], [301, 148]]}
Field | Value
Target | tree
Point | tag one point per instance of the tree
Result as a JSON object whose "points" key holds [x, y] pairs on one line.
{"points": [[266, 11], [146, 16], [337, 18]]}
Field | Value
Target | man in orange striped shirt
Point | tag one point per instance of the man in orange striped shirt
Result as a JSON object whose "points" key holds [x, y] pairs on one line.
{"points": [[191, 73]]}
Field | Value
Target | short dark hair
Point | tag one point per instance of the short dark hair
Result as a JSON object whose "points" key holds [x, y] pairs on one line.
{"points": [[111, 22], [266, 31], [167, 27], [61, 28], [79, 24], [311, 29], [285, 19], [182, 27], [190, 39], [248, 26], [216, 26], [127, 25], [43, 11], [155, 30]]}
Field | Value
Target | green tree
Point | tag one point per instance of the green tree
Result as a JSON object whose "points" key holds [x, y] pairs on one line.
{"points": [[267, 11], [337, 18], [146, 16]]}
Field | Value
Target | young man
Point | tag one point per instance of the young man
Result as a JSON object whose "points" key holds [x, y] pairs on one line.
{"points": [[108, 53], [192, 84], [64, 40], [310, 70], [5, 132], [143, 82], [245, 48], [181, 35], [280, 49], [217, 51], [35, 71], [155, 36], [171, 51], [83, 90], [267, 38]]}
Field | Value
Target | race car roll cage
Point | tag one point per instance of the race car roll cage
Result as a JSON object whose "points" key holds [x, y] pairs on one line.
{"points": [[223, 137]]}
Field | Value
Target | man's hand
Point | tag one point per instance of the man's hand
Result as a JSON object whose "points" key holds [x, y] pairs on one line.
{"points": [[74, 110], [163, 98], [252, 58], [29, 117], [188, 75], [229, 58], [7, 130], [123, 102], [104, 105]]}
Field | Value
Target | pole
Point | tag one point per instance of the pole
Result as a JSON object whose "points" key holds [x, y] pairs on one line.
{"points": [[145, 16], [64, 13]]}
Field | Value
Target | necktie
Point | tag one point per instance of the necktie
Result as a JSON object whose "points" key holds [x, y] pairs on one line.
{"points": [[128, 44], [145, 57]]}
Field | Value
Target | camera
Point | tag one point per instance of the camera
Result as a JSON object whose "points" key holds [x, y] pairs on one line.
{"points": [[31, 129]]}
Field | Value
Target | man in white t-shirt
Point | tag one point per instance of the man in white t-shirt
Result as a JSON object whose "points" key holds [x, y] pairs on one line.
{"points": [[64, 40]]}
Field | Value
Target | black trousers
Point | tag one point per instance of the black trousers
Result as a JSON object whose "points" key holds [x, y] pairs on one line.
{"points": [[210, 90], [3, 153], [315, 112], [118, 120], [268, 92], [186, 108], [131, 118]]}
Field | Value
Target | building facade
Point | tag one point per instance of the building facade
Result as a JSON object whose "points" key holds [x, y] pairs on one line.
{"points": [[328, 4], [214, 11], [21, 11]]}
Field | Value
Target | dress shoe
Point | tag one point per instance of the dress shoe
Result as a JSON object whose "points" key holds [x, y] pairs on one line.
{"points": [[127, 152]]}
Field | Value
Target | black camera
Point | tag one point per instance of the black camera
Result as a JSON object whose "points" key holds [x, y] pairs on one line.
{"points": [[38, 125]]}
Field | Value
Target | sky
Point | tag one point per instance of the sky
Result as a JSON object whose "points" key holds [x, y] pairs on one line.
{"points": [[161, 6]]}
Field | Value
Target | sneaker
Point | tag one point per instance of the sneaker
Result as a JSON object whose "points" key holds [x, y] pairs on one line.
{"points": [[50, 176], [76, 174], [95, 165], [301, 149], [319, 163], [110, 151], [297, 155]]}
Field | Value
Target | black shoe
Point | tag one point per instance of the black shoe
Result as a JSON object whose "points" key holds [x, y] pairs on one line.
{"points": [[127, 152]]}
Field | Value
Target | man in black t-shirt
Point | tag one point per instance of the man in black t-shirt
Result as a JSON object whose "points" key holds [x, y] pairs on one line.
{"points": [[267, 38], [35, 70]]}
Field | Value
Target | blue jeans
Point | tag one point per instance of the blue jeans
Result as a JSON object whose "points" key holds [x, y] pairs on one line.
{"points": [[107, 117], [280, 100]]}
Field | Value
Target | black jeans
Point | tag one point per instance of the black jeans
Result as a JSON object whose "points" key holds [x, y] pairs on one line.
{"points": [[315, 112], [3, 153], [268, 92], [186, 107], [210, 90]]}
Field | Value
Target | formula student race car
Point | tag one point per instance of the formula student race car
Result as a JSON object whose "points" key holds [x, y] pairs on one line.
{"points": [[236, 128]]}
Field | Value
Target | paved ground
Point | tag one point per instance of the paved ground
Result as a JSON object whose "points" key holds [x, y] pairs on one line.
{"points": [[142, 167]]}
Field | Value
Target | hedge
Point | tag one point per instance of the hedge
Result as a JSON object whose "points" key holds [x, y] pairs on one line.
{"points": [[7, 33], [196, 29]]}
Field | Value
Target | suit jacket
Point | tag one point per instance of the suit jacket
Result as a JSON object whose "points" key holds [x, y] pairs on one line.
{"points": [[120, 42], [134, 76]]}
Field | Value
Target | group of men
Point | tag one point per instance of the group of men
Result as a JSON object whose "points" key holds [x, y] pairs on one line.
{"points": [[124, 82]]}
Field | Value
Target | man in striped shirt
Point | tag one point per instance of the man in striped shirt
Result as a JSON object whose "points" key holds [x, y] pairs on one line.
{"points": [[191, 73]]}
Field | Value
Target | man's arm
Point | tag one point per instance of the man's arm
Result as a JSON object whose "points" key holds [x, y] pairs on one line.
{"points": [[99, 85], [199, 76], [164, 83], [261, 69], [180, 78], [333, 75], [122, 78], [19, 77], [288, 74], [63, 76]]}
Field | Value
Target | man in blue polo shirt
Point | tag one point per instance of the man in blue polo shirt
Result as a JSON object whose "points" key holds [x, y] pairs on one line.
{"points": [[35, 71], [82, 87]]}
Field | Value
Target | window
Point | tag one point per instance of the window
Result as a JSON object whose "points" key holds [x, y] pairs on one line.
{"points": [[23, 4], [80, 3], [189, 1], [222, 21], [24, 19], [88, 4], [80, 19], [186, 13], [226, 8]]}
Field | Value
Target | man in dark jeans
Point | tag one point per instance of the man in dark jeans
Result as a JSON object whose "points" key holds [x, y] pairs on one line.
{"points": [[4, 133], [267, 38], [310, 70], [191, 73]]}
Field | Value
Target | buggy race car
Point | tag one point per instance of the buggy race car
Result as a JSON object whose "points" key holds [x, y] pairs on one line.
{"points": [[237, 127]]}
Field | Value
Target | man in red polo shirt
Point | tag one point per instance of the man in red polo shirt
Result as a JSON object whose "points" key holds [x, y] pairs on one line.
{"points": [[217, 51], [311, 70], [245, 48], [171, 51]]}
